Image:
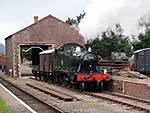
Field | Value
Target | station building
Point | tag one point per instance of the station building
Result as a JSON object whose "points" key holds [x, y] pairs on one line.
{"points": [[44, 34]]}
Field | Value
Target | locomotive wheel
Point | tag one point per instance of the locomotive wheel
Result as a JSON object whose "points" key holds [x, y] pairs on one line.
{"points": [[73, 85], [101, 86], [98, 86], [82, 86], [65, 80], [56, 77]]}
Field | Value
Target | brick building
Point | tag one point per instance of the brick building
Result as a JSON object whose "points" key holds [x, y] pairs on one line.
{"points": [[2, 60], [47, 33]]}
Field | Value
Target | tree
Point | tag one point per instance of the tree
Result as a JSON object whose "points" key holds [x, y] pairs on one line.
{"points": [[26, 55], [76, 21], [71, 21], [112, 40], [143, 37]]}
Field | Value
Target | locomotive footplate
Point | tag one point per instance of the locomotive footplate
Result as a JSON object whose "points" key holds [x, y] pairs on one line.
{"points": [[94, 77]]}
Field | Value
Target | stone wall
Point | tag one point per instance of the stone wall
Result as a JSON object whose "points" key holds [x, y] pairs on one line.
{"points": [[132, 89], [9, 53]]}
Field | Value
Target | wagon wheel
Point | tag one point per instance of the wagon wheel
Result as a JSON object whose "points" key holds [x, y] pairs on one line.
{"points": [[61, 80], [45, 77], [55, 79], [50, 78]]}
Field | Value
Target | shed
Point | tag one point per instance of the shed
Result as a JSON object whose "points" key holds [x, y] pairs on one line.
{"points": [[47, 33], [142, 60]]}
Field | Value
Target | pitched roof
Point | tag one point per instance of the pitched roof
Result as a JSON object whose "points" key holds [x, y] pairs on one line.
{"points": [[35, 24], [141, 50]]}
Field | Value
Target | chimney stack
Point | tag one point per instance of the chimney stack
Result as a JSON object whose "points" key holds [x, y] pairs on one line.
{"points": [[36, 19]]}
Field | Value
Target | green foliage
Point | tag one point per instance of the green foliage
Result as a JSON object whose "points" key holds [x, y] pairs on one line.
{"points": [[126, 47], [3, 107], [112, 41], [24, 54], [144, 38], [76, 21], [143, 43], [71, 21]]}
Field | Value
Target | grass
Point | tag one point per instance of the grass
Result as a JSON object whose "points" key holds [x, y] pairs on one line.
{"points": [[3, 107]]}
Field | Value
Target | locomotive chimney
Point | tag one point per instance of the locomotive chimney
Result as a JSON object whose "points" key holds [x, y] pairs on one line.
{"points": [[36, 19]]}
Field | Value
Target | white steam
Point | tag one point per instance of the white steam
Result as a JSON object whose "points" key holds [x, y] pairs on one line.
{"points": [[101, 14]]}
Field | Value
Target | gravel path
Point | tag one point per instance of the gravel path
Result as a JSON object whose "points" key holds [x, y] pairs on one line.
{"points": [[13, 104], [86, 104]]}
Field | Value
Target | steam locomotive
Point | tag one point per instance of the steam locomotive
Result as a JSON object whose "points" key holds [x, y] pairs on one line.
{"points": [[71, 65]]}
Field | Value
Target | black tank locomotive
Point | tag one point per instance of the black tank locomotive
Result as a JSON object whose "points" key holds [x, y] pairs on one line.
{"points": [[70, 64]]}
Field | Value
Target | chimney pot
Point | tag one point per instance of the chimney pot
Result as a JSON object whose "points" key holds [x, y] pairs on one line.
{"points": [[36, 19]]}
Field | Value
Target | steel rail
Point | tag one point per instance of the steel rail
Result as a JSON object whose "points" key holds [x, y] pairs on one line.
{"points": [[31, 100], [126, 96], [103, 97], [53, 93]]}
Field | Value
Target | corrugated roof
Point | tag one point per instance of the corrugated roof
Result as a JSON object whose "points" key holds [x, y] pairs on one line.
{"points": [[141, 50]]}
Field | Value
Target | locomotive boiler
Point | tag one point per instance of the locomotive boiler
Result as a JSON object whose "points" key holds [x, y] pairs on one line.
{"points": [[71, 65]]}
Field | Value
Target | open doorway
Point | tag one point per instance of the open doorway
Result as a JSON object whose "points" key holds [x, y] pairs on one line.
{"points": [[29, 56]]}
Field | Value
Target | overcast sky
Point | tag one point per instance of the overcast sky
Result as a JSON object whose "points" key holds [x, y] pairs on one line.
{"points": [[102, 14], [17, 14]]}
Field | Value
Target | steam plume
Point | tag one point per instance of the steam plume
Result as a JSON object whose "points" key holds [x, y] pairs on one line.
{"points": [[101, 14]]}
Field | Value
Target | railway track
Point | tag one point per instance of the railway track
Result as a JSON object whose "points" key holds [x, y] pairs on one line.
{"points": [[133, 103], [54, 93], [35, 103], [139, 104], [127, 97]]}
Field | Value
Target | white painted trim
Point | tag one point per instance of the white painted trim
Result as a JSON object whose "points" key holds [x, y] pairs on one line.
{"points": [[47, 51], [29, 108]]}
